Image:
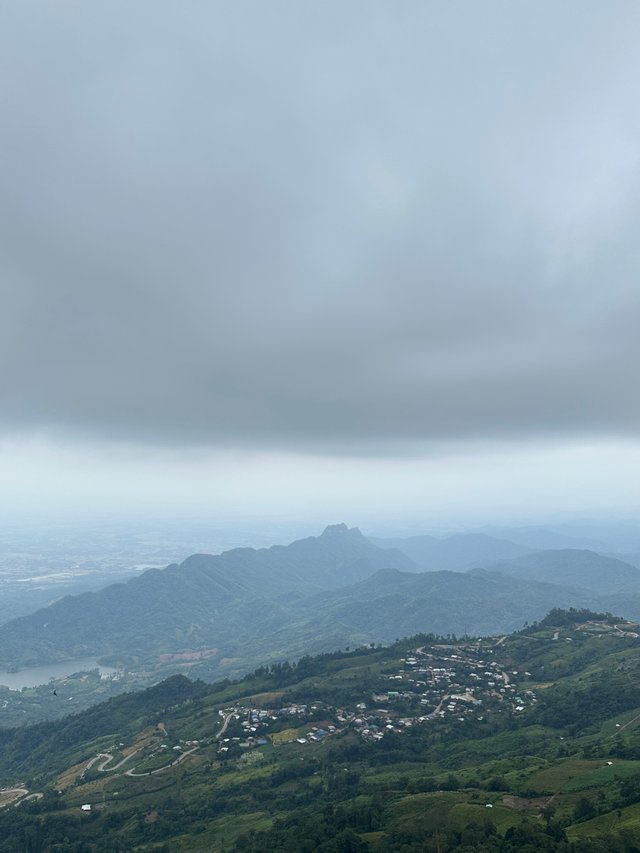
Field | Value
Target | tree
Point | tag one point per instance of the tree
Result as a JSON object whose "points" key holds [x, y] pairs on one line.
{"points": [[584, 809]]}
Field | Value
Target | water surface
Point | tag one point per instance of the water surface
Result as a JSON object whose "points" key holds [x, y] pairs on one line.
{"points": [[32, 676]]}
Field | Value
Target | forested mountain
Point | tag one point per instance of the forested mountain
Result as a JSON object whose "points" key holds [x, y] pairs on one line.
{"points": [[494, 745], [393, 603], [218, 616], [208, 602]]}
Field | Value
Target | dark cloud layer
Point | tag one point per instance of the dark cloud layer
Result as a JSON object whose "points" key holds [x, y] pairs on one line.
{"points": [[320, 225]]}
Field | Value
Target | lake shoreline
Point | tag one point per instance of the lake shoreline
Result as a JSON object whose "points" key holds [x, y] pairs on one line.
{"points": [[35, 676]]}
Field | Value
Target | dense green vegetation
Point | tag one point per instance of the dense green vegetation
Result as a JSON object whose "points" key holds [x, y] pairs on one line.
{"points": [[221, 613], [519, 743], [220, 616]]}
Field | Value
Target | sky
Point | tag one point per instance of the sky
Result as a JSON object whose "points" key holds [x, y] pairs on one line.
{"points": [[335, 261]]}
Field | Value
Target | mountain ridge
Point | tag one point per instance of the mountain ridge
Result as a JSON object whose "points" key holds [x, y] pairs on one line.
{"points": [[218, 616], [457, 552]]}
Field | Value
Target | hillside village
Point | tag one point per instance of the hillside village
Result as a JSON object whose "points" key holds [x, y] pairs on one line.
{"points": [[458, 682], [555, 706]]}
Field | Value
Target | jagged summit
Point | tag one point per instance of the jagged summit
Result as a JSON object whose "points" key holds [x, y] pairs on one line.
{"points": [[340, 530]]}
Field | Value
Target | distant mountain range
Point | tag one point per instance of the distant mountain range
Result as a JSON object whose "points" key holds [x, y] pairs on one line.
{"points": [[223, 615], [619, 535], [549, 538], [576, 568], [455, 553]]}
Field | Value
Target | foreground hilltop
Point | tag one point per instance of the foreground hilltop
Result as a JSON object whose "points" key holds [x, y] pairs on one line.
{"points": [[509, 743]]}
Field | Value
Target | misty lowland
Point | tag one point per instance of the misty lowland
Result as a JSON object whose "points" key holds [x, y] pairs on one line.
{"points": [[474, 691]]}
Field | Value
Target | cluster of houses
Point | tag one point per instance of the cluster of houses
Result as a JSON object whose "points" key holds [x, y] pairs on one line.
{"points": [[317, 735], [433, 682], [255, 723], [463, 683]]}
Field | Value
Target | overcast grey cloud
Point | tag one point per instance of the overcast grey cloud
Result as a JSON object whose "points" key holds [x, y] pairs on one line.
{"points": [[336, 227]]}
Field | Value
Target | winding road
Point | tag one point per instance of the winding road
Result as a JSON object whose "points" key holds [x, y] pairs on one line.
{"points": [[105, 758], [181, 757]]}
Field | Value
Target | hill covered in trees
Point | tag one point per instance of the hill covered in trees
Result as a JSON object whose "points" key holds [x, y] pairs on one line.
{"points": [[528, 741], [221, 616]]}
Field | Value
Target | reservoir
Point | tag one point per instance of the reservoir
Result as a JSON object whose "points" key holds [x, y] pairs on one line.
{"points": [[32, 676]]}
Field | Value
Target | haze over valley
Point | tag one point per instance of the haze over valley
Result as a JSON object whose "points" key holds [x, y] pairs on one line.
{"points": [[221, 616], [319, 427]]}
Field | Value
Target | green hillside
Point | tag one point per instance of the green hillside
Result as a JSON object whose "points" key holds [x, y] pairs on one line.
{"points": [[520, 742], [210, 604], [221, 616]]}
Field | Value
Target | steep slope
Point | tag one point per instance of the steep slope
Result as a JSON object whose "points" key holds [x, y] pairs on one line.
{"points": [[210, 602], [454, 553], [223, 615]]}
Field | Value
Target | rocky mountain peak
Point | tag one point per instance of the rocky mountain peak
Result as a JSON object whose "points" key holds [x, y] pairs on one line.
{"points": [[339, 530]]}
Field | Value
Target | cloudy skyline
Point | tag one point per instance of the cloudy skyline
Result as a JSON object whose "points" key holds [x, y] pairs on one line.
{"points": [[288, 257]]}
